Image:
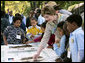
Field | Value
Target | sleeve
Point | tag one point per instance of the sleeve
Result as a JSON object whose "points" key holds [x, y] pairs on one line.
{"points": [[46, 35], [38, 39], [61, 49], [6, 31], [80, 43], [57, 35], [65, 12], [23, 34], [56, 49]]}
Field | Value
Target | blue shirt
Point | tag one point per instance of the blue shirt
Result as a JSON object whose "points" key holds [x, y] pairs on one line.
{"points": [[61, 49], [76, 43]]}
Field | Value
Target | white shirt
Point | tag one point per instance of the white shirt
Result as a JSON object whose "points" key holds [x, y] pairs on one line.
{"points": [[41, 20], [24, 20], [76, 43], [10, 19]]}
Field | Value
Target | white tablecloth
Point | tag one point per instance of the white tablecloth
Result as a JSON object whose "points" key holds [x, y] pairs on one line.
{"points": [[15, 54]]}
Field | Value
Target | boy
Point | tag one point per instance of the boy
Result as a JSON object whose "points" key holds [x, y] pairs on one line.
{"points": [[76, 39], [33, 31], [14, 34]]}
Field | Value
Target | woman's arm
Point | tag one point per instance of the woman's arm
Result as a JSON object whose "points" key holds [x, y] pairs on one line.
{"points": [[44, 40]]}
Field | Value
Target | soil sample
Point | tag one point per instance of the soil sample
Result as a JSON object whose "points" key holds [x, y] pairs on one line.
{"points": [[30, 59], [59, 60], [21, 46]]}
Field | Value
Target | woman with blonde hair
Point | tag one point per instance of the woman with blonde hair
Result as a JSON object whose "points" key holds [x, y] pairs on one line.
{"points": [[49, 13]]}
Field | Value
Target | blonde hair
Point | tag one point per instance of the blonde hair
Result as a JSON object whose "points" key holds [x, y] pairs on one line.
{"points": [[51, 3], [48, 10]]}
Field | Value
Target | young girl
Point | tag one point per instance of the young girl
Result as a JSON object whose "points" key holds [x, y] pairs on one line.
{"points": [[51, 40], [61, 47]]}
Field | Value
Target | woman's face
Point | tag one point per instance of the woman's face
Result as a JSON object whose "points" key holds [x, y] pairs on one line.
{"points": [[17, 23], [49, 17]]}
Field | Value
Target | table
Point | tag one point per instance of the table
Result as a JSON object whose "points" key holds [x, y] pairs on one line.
{"points": [[15, 54]]}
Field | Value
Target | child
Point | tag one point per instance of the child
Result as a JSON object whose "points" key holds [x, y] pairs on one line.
{"points": [[64, 54], [76, 40], [59, 47], [51, 40], [14, 34], [33, 31]]}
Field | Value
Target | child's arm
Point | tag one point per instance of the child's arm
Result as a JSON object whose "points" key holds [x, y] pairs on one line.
{"points": [[29, 42], [5, 40], [57, 49], [23, 37], [5, 34], [35, 40]]}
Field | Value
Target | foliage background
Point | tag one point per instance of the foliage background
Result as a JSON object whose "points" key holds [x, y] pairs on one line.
{"points": [[24, 7]]}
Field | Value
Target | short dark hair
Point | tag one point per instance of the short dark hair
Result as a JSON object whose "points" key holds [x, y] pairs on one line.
{"points": [[60, 24], [43, 24], [17, 18], [33, 18], [17, 14], [75, 18]]}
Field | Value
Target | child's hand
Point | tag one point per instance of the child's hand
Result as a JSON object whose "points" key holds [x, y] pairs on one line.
{"points": [[6, 43], [49, 46], [32, 36], [26, 42], [57, 40]]}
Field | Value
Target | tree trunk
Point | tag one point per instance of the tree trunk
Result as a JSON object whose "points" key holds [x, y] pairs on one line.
{"points": [[31, 4], [34, 5], [39, 4], [3, 5]]}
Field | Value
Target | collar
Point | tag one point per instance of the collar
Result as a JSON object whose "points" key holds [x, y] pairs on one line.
{"points": [[72, 33], [35, 26]]}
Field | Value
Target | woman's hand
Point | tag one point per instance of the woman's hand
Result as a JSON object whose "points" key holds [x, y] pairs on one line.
{"points": [[35, 56]]}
